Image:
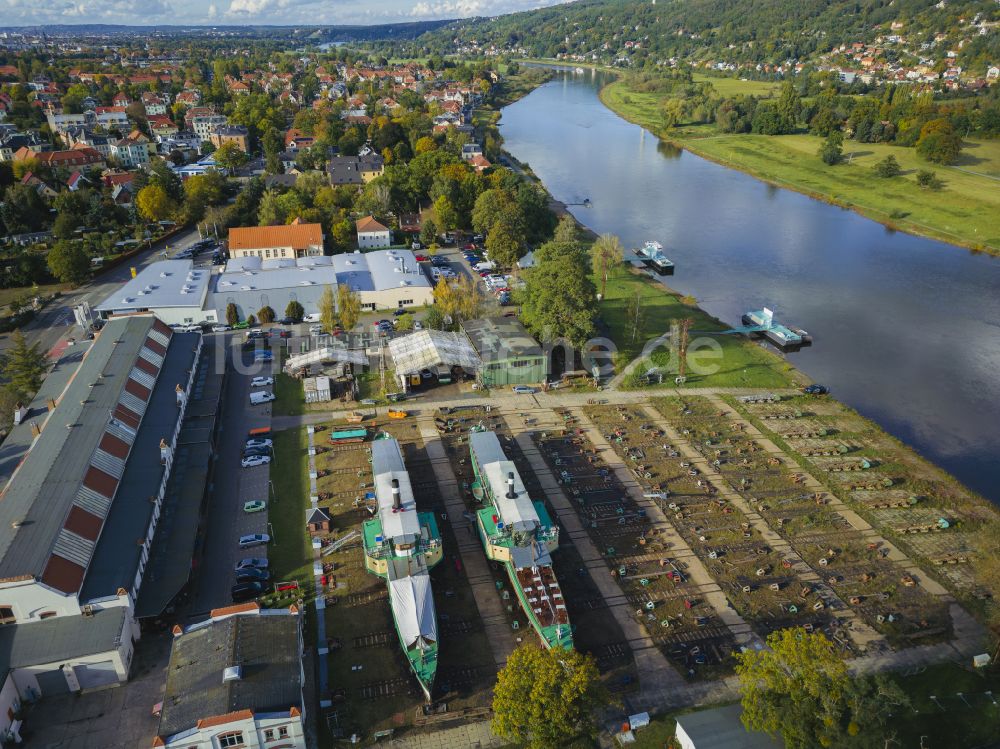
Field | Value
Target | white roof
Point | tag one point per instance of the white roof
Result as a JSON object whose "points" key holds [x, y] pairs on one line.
{"points": [[413, 607], [517, 512], [167, 283], [427, 349], [401, 526]]}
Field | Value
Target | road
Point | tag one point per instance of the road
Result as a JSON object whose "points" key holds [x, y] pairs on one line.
{"points": [[55, 323]]}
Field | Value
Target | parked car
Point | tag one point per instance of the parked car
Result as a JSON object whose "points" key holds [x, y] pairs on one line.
{"points": [[279, 333], [190, 329], [220, 328], [260, 382], [262, 356], [417, 325], [523, 389], [252, 575], [243, 592], [254, 539], [256, 505], [384, 326], [399, 312], [438, 261], [251, 461], [250, 452], [241, 325], [287, 321], [259, 442], [259, 563], [816, 389], [421, 258], [260, 397]]}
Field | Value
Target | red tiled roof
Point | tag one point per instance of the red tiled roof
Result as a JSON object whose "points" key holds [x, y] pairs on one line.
{"points": [[368, 223], [296, 236]]}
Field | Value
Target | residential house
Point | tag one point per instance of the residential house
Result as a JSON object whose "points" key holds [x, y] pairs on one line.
{"points": [[355, 170], [238, 134], [155, 103], [42, 188], [372, 234], [81, 137], [480, 163], [76, 157], [190, 98], [131, 151], [410, 223], [111, 117], [162, 126], [236, 680], [294, 240], [76, 181], [471, 149], [121, 99]]}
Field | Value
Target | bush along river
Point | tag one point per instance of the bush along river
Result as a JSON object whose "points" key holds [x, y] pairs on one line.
{"points": [[906, 330]]}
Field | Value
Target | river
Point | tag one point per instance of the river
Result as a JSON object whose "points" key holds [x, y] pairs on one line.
{"points": [[906, 329]]}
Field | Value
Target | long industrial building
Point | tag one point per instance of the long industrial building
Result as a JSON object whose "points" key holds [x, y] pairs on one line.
{"points": [[180, 294], [79, 514]]}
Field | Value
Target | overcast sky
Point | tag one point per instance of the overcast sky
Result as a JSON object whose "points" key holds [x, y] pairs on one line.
{"points": [[283, 12]]}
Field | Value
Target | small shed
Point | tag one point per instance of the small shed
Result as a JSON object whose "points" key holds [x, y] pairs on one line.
{"points": [[317, 521], [317, 389], [721, 728], [509, 354]]}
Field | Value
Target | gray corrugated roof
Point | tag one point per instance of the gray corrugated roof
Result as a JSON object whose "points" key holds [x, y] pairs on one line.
{"points": [[116, 558], [266, 646], [43, 488], [721, 728], [168, 283], [498, 338], [60, 638]]}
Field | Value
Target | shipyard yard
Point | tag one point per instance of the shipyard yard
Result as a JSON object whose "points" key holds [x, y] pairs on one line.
{"points": [[678, 526]]}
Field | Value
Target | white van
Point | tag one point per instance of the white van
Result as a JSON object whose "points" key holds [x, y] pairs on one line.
{"points": [[485, 265], [311, 317], [261, 396]]}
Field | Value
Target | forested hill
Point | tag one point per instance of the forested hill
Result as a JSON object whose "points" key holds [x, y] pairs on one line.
{"points": [[742, 31]]}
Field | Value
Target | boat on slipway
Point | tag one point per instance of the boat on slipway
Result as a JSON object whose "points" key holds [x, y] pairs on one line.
{"points": [[401, 546], [519, 533]]}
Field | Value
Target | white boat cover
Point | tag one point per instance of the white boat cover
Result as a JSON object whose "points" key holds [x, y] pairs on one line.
{"points": [[401, 527], [518, 512], [413, 608]]}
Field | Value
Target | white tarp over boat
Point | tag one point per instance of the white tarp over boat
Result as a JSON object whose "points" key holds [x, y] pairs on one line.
{"points": [[413, 608], [517, 512], [402, 526]]}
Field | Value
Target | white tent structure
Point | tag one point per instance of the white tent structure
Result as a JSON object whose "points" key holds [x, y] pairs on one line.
{"points": [[413, 609], [515, 507], [432, 349]]}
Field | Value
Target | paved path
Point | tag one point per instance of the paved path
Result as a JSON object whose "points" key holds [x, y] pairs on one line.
{"points": [[470, 736], [500, 636]]}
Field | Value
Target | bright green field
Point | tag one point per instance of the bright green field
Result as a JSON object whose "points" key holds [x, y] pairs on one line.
{"points": [[742, 364], [965, 212], [736, 87]]}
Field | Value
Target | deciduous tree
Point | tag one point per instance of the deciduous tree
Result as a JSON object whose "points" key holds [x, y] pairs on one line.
{"points": [[294, 311], [349, 306], [153, 203], [606, 253], [546, 698], [328, 310], [559, 299], [265, 314], [69, 262], [887, 167], [232, 314]]}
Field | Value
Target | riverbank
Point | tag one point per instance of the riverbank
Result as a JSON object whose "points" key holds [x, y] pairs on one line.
{"points": [[963, 213]]}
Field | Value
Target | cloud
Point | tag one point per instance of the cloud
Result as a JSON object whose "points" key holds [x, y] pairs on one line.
{"points": [[212, 11], [444, 8]]}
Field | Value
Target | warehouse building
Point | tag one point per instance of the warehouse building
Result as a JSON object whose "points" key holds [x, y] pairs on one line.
{"points": [[174, 289], [80, 512], [236, 680], [510, 356]]}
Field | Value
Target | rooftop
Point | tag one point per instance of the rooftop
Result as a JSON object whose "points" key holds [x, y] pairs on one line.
{"points": [[296, 236], [426, 349], [168, 283], [498, 338], [61, 638], [517, 512], [59, 499], [369, 224], [721, 728], [264, 645], [402, 527]]}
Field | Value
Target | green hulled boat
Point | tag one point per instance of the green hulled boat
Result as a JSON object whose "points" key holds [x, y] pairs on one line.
{"points": [[401, 546], [519, 533]]}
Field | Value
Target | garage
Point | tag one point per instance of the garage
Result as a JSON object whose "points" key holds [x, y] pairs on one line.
{"points": [[53, 682], [100, 674]]}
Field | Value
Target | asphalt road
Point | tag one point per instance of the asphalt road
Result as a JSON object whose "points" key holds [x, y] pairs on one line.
{"points": [[56, 323], [234, 486]]}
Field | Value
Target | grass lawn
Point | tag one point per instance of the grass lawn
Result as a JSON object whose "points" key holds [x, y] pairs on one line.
{"points": [[289, 399], [9, 295], [964, 212], [290, 554], [743, 364], [736, 87]]}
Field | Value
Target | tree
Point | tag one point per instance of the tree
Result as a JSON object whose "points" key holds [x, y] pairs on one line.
{"points": [[789, 106], [153, 203], [201, 191], [888, 167], [349, 306], [938, 142], [797, 688], [404, 322], [606, 253], [265, 314], [294, 311], [559, 299], [24, 366], [434, 319], [545, 697], [232, 314], [230, 156], [328, 310], [69, 262], [929, 180], [428, 232], [446, 299], [832, 149], [445, 214], [504, 244]]}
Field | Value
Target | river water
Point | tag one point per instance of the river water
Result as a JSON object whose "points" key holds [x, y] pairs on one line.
{"points": [[906, 330]]}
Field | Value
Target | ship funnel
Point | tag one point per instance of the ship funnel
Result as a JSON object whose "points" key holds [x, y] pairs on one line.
{"points": [[397, 502], [510, 486]]}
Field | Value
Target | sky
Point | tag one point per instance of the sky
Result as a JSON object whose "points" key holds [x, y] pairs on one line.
{"points": [[279, 12]]}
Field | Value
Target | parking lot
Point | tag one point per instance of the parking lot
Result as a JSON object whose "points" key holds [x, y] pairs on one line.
{"points": [[234, 486]]}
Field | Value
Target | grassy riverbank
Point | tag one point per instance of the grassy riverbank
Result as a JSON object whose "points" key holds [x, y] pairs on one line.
{"points": [[963, 213]]}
